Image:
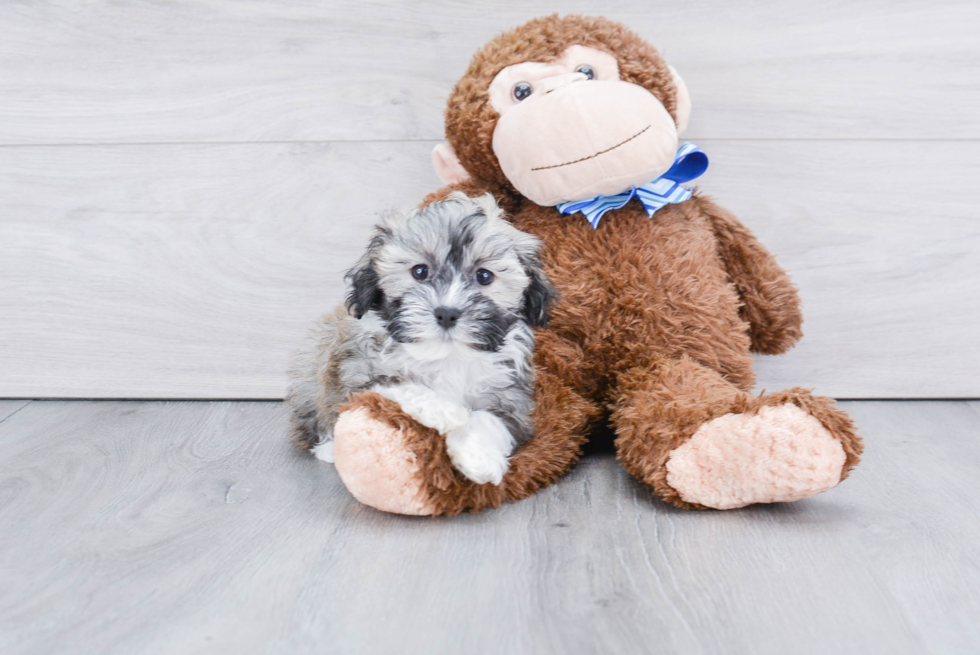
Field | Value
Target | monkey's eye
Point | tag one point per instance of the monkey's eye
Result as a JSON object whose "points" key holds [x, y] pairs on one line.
{"points": [[484, 277], [586, 70], [420, 272], [521, 91]]}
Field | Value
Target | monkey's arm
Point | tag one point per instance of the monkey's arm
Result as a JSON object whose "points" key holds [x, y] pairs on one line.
{"points": [[770, 302]]}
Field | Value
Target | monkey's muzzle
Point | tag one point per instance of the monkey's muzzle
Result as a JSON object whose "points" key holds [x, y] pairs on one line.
{"points": [[583, 140]]}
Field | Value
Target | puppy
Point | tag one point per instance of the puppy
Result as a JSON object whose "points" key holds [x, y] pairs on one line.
{"points": [[438, 318]]}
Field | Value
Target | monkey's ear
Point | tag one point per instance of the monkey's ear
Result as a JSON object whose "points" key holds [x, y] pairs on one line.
{"points": [[683, 101], [447, 165], [365, 294], [538, 298]]}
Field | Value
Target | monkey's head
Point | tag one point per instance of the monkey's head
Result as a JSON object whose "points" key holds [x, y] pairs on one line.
{"points": [[563, 108]]}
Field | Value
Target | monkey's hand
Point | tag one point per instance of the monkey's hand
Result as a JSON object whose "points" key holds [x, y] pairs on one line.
{"points": [[480, 448], [426, 406], [770, 303]]}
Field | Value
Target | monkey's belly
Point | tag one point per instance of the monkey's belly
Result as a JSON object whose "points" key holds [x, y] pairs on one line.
{"points": [[638, 289]]}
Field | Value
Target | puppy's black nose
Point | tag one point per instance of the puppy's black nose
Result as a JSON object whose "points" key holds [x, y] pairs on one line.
{"points": [[447, 316]]}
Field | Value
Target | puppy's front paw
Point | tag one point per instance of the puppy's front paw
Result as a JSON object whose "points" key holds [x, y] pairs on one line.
{"points": [[426, 406], [480, 448], [324, 451]]}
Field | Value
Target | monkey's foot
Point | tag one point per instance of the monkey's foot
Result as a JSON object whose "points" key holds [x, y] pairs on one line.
{"points": [[780, 453], [377, 465]]}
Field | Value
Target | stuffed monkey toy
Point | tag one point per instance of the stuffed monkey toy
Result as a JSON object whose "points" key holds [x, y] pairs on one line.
{"points": [[572, 124]]}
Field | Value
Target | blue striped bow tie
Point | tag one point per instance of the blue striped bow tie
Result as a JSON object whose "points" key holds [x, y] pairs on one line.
{"points": [[689, 163]]}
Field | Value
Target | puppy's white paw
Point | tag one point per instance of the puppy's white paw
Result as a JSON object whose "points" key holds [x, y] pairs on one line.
{"points": [[426, 406], [324, 451], [480, 449]]}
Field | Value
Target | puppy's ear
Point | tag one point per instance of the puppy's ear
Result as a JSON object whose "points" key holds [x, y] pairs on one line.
{"points": [[365, 294], [538, 296]]}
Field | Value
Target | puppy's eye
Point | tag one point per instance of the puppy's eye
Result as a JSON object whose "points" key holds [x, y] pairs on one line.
{"points": [[586, 70], [484, 277], [420, 272], [521, 91]]}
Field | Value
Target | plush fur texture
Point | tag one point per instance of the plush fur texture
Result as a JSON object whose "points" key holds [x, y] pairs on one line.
{"points": [[470, 117], [469, 376], [654, 330]]}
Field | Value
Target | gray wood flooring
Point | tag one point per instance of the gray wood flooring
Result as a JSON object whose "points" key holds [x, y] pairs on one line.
{"points": [[192, 527], [183, 183], [10, 407]]}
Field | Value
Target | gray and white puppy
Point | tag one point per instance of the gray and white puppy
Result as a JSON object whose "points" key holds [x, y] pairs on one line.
{"points": [[438, 318]]}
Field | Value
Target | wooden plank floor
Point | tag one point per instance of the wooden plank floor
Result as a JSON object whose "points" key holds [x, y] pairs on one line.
{"points": [[192, 527]]}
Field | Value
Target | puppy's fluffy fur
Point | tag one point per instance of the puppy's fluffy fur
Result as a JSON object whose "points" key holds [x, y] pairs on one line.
{"points": [[470, 377]]}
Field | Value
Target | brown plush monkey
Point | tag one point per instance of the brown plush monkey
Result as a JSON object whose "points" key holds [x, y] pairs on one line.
{"points": [[657, 315]]}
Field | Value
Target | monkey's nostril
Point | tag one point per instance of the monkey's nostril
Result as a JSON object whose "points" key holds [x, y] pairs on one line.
{"points": [[447, 316]]}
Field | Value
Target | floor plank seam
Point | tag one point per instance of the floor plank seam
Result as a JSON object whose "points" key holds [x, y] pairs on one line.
{"points": [[16, 411]]}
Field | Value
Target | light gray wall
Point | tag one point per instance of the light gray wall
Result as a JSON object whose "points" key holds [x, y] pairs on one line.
{"points": [[182, 184]]}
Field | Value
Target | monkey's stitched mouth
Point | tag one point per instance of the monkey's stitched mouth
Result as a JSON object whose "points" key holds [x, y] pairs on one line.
{"points": [[601, 152]]}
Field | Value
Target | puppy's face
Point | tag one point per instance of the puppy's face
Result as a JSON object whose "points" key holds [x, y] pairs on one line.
{"points": [[450, 277]]}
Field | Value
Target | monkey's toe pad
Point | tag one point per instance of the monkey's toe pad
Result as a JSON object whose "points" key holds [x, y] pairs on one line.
{"points": [[778, 454], [376, 465]]}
